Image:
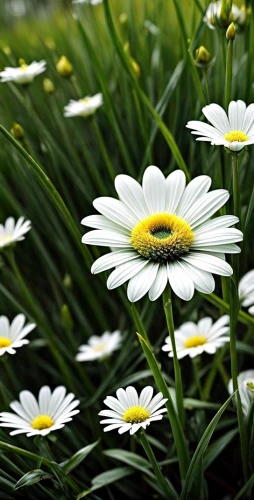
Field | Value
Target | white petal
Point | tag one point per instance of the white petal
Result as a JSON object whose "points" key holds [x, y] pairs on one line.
{"points": [[131, 193], [236, 113], [205, 207], [159, 283], [116, 211], [112, 259], [203, 281], [193, 192], [106, 239], [154, 188], [125, 272], [216, 115], [101, 222], [142, 282], [175, 185], [209, 263], [146, 396], [180, 283]]}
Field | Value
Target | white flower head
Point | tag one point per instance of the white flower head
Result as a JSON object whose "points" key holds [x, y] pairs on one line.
{"points": [[50, 413], [83, 107], [213, 14], [130, 412], [233, 131], [91, 2], [12, 336], [12, 232], [193, 339], [161, 233], [246, 291], [99, 347], [246, 390], [24, 74]]}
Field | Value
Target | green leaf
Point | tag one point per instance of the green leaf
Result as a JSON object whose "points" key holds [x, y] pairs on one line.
{"points": [[106, 478], [190, 404], [218, 447], [131, 459], [77, 458], [247, 488], [32, 477]]}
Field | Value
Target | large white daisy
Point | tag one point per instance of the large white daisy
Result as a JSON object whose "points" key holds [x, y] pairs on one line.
{"points": [[12, 336], [246, 291], [161, 233], [246, 390], [233, 131], [50, 413], [213, 14], [193, 339], [99, 347], [130, 412], [83, 107], [24, 74], [11, 232]]}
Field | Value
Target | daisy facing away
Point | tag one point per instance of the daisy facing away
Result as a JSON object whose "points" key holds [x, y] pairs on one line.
{"points": [[246, 390], [130, 412], [12, 232], [193, 339], [24, 74], [161, 233], [12, 336], [234, 131], [213, 15], [50, 413], [100, 347], [246, 291], [83, 107]]}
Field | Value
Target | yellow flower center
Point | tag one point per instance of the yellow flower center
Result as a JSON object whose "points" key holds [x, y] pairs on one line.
{"points": [[250, 386], [162, 237], [6, 239], [42, 422], [135, 415], [100, 347], [195, 341], [23, 65], [236, 136], [5, 342], [86, 100]]}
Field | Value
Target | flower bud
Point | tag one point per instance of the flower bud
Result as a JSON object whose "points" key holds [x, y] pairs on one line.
{"points": [[64, 67], [230, 33], [7, 50], [17, 131], [203, 57], [123, 18], [67, 281], [135, 66], [66, 318], [48, 86]]}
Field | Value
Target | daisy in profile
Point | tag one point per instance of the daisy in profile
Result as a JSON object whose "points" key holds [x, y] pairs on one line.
{"points": [[24, 74], [99, 347], [91, 2], [12, 336], [234, 131], [50, 413], [246, 291], [161, 233], [12, 232], [246, 390], [193, 339], [130, 412], [83, 107], [213, 15]]}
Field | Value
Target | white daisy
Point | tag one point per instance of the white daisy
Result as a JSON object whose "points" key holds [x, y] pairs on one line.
{"points": [[12, 335], [11, 232], [213, 15], [84, 107], [161, 233], [193, 339], [99, 347], [24, 74], [50, 413], [246, 291], [233, 131], [246, 390], [91, 2], [130, 412]]}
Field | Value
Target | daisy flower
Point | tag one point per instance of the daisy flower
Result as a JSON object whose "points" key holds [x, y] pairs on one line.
{"points": [[83, 107], [11, 232], [130, 412], [246, 390], [99, 347], [12, 335], [91, 2], [24, 74], [246, 291], [161, 233], [233, 131], [50, 413], [213, 15], [193, 339]]}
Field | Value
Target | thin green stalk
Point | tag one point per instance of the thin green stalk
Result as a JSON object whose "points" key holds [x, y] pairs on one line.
{"points": [[103, 149], [229, 66], [212, 373], [196, 365], [139, 324], [237, 209], [167, 303], [169, 493], [244, 317], [206, 86]]}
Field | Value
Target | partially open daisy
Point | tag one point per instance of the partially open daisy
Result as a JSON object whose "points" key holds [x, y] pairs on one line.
{"points": [[91, 2], [246, 291], [11, 232], [246, 390], [193, 339], [161, 233], [213, 15], [12, 336], [233, 131], [50, 413], [83, 107], [99, 347], [24, 74], [130, 412]]}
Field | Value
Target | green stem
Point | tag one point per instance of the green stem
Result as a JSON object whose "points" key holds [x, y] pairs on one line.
{"points": [[206, 86], [237, 210], [169, 493], [229, 66], [167, 302], [244, 317], [102, 147], [196, 365], [139, 324]]}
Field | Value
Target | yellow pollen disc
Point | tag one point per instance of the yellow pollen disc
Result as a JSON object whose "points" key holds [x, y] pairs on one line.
{"points": [[6, 239], [195, 341], [42, 422], [135, 415], [250, 386], [5, 342], [162, 237], [86, 100], [236, 136], [100, 347]]}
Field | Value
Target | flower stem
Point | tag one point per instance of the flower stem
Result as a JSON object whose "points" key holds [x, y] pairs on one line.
{"points": [[102, 147], [167, 302], [229, 66], [139, 324], [196, 365], [169, 492]]}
